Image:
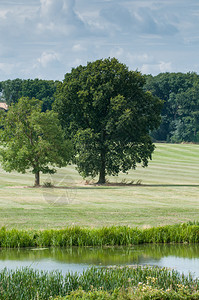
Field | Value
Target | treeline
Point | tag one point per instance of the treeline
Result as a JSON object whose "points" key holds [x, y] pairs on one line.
{"points": [[13, 90], [180, 114], [180, 92]]}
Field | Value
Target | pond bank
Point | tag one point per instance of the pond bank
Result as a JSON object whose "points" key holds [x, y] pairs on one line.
{"points": [[104, 236]]}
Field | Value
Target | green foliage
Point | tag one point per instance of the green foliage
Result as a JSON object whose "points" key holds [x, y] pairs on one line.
{"points": [[16, 239], [40, 89], [119, 283], [13, 90], [106, 112], [105, 236], [187, 116], [91, 295], [180, 114], [142, 292], [32, 140]]}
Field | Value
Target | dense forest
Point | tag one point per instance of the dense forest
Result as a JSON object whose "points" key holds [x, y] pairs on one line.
{"points": [[180, 92], [180, 114], [13, 90]]}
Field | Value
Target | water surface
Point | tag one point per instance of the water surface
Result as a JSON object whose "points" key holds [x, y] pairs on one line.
{"points": [[183, 258]]}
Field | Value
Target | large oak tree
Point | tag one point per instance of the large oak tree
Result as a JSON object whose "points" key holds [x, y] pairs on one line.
{"points": [[108, 115], [32, 140]]}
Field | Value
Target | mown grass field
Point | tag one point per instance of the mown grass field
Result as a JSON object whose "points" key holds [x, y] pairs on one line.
{"points": [[168, 194]]}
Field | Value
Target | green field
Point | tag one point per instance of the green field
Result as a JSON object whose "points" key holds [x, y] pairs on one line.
{"points": [[168, 194]]}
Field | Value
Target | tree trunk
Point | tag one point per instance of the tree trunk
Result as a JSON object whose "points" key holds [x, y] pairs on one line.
{"points": [[102, 175], [37, 178]]}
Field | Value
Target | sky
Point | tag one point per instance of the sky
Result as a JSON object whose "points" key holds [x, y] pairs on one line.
{"points": [[46, 38]]}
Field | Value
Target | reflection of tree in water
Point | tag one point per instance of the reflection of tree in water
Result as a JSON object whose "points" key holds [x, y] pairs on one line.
{"points": [[105, 256]]}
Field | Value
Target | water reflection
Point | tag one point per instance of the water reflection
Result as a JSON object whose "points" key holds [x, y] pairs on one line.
{"points": [[184, 258]]}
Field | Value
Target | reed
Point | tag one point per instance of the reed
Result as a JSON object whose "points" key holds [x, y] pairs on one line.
{"points": [[31, 284], [105, 236]]}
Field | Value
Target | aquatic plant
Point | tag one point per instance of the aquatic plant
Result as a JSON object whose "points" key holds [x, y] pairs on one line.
{"points": [[104, 236], [31, 284]]}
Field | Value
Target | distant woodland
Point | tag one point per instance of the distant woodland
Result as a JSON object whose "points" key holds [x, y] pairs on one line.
{"points": [[179, 91]]}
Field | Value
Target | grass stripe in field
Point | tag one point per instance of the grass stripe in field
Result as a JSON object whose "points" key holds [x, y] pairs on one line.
{"points": [[176, 152], [169, 194], [172, 163]]}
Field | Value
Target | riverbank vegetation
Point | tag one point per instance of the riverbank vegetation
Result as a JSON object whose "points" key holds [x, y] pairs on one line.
{"points": [[118, 283], [104, 236]]}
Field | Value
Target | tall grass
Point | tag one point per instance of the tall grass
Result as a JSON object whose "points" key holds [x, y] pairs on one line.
{"points": [[112, 236], [30, 284]]}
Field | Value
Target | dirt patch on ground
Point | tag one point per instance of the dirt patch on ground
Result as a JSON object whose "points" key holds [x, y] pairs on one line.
{"points": [[17, 187], [79, 184]]}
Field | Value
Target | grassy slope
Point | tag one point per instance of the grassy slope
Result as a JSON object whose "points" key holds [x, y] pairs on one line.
{"points": [[169, 194]]}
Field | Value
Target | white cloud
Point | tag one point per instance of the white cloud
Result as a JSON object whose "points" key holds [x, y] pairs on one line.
{"points": [[57, 10], [47, 58], [165, 66], [77, 62], [119, 16], [155, 22], [140, 58], [157, 68], [3, 14], [117, 52], [50, 7], [78, 48], [59, 17], [47, 37], [6, 68]]}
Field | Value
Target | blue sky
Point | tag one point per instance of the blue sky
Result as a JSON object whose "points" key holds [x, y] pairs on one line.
{"points": [[46, 38]]}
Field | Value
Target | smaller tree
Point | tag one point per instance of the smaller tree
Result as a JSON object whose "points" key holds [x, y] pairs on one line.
{"points": [[32, 140]]}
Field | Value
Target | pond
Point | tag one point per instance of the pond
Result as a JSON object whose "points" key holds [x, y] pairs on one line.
{"points": [[183, 258]]}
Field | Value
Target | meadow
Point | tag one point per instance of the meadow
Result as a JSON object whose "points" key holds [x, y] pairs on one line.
{"points": [[166, 192]]}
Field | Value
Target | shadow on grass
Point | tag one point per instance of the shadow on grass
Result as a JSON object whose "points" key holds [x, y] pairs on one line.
{"points": [[171, 185], [104, 186], [116, 185]]}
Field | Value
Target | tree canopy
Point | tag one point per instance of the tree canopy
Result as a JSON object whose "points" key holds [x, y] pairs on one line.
{"points": [[13, 90], [108, 115], [32, 140], [180, 114], [179, 91]]}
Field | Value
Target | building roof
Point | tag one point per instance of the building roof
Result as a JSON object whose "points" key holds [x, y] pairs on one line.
{"points": [[3, 106]]}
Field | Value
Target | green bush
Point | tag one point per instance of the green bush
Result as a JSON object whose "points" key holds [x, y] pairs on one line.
{"points": [[90, 295], [143, 292]]}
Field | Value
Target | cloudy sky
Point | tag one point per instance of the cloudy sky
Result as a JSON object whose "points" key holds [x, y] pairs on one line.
{"points": [[46, 38]]}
